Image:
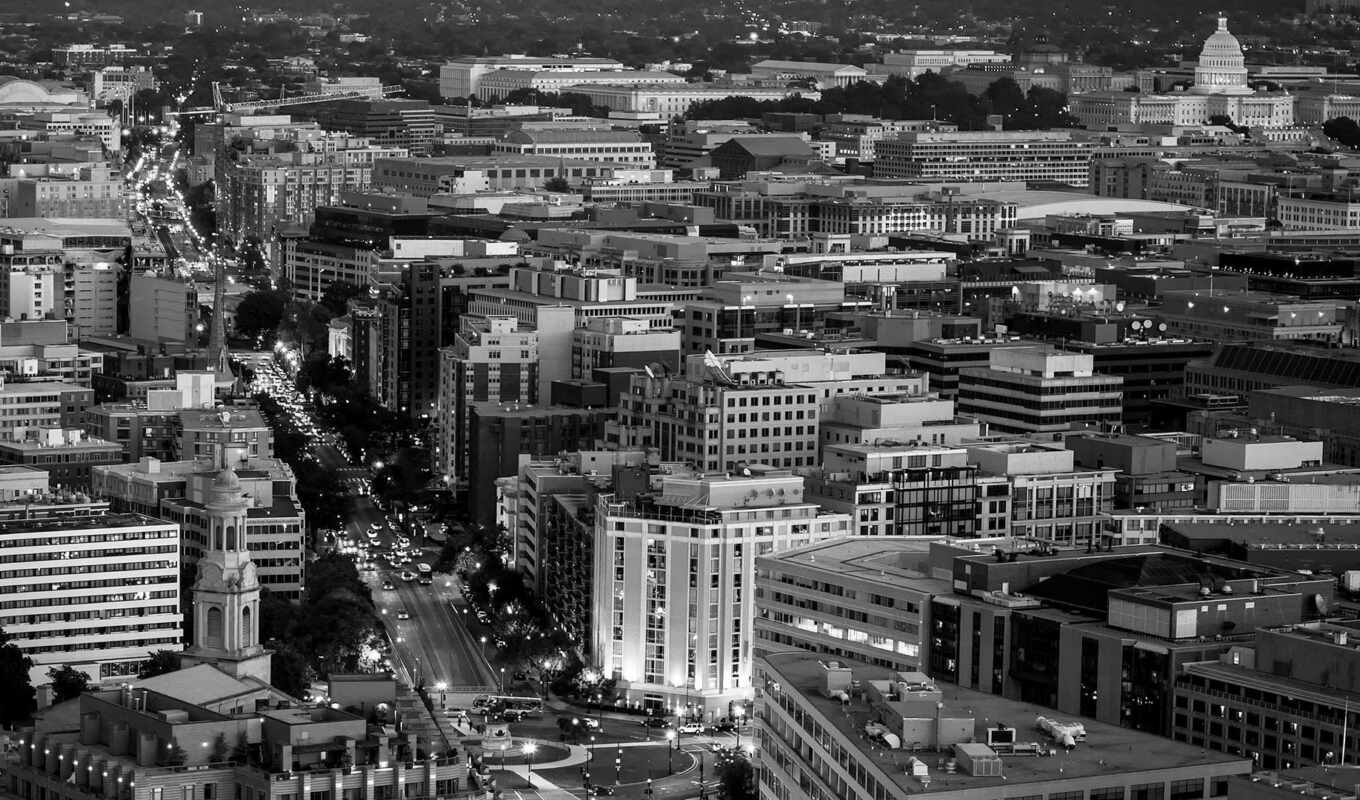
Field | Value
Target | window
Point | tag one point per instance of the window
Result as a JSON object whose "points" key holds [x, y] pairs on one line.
{"points": [[1108, 793], [1191, 789]]}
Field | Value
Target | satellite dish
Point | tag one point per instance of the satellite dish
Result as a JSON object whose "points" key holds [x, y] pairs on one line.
{"points": [[1119, 306], [1162, 327], [1320, 603]]}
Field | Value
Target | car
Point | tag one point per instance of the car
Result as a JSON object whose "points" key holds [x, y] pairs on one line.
{"points": [[724, 726], [403, 614], [389, 586], [656, 722], [602, 791], [692, 727], [591, 724], [408, 576], [511, 715]]}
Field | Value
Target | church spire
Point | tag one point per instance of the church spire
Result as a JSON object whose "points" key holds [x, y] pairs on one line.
{"points": [[217, 335], [226, 593]]}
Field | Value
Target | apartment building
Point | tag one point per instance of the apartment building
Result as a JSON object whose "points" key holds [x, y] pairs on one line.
{"points": [[970, 156], [491, 359], [674, 601], [86, 587], [261, 193]]}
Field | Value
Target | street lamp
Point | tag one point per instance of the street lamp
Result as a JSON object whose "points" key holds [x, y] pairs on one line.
{"points": [[670, 749], [739, 712], [502, 680], [529, 749], [483, 648]]}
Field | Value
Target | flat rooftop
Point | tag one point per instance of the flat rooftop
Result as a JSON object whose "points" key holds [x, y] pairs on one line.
{"points": [[1107, 750], [83, 522], [1265, 533], [892, 561]]}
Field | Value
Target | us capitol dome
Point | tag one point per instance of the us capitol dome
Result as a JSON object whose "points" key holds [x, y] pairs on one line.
{"points": [[1220, 90]]}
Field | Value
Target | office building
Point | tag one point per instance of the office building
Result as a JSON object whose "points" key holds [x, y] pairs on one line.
{"points": [[986, 156], [501, 436], [1148, 473], [726, 413], [408, 125], [1038, 390], [66, 454], [671, 98], [181, 491], [912, 64], [92, 55], [622, 342], [862, 598], [1044, 495], [828, 729], [205, 431], [1226, 316], [589, 144], [462, 77], [894, 489], [491, 359], [88, 588], [1282, 700], [30, 405], [672, 611], [821, 75]]}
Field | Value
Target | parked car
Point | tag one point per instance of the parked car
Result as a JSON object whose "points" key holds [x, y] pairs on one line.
{"points": [[656, 722], [389, 586], [725, 726], [692, 727], [602, 791]]}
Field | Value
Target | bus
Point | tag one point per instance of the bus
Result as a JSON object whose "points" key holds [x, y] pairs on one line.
{"points": [[492, 703]]}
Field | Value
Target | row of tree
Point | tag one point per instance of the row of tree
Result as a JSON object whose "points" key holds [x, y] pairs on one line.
{"points": [[929, 96]]}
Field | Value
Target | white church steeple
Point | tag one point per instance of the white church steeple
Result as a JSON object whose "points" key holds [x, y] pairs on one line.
{"points": [[226, 594]]}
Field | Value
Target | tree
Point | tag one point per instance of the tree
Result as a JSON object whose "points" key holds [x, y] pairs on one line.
{"points": [[260, 312], [338, 294], [557, 183], [160, 663], [289, 672], [736, 778], [16, 691], [1344, 130], [68, 683]]}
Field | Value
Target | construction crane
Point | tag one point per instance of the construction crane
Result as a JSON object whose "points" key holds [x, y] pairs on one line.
{"points": [[222, 106]]}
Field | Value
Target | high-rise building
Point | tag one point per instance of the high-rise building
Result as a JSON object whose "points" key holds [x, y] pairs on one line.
{"points": [[1039, 390], [674, 570], [491, 359]]}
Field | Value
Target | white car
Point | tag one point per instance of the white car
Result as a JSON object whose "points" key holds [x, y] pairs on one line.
{"points": [[692, 727], [408, 576]]}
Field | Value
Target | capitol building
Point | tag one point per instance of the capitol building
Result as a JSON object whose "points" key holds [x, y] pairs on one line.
{"points": [[1220, 89]]}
